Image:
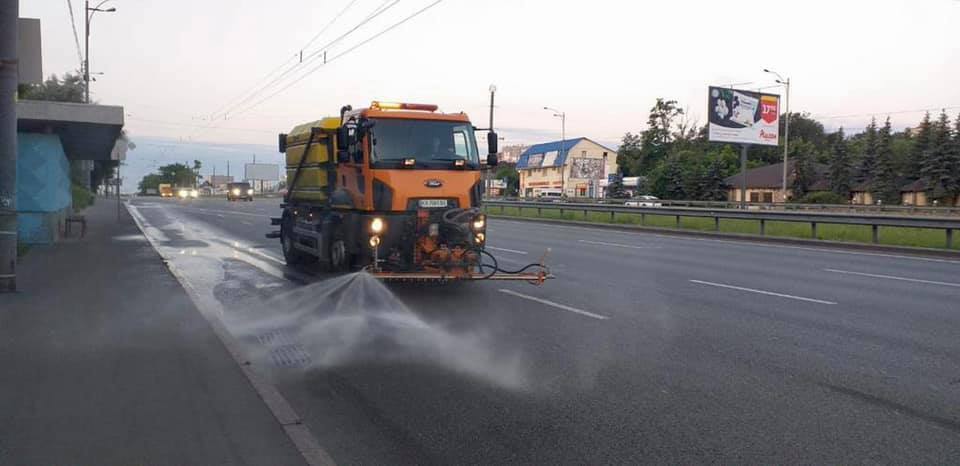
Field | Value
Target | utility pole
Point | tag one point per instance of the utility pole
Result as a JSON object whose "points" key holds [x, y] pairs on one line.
{"points": [[9, 11], [86, 51], [562, 152], [488, 176], [786, 129], [743, 176]]}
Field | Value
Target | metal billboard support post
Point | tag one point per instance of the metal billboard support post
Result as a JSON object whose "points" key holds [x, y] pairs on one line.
{"points": [[743, 175], [9, 11]]}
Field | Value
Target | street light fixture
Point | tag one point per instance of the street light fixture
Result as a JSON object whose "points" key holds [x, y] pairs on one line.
{"points": [[88, 15], [563, 140], [786, 131]]}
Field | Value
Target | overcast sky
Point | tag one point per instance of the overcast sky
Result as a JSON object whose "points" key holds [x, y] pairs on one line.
{"points": [[172, 63]]}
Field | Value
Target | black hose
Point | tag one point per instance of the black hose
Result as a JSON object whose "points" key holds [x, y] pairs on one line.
{"points": [[496, 267]]}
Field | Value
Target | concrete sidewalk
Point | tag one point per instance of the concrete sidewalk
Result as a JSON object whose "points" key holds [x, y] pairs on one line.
{"points": [[105, 360]]}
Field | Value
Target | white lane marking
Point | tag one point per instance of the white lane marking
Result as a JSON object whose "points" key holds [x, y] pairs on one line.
{"points": [[11, 233], [617, 245], [221, 216], [507, 250], [768, 293], [556, 305], [227, 212], [247, 223], [745, 243], [891, 277]]}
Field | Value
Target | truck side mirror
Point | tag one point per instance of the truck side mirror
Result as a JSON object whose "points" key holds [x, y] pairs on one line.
{"points": [[346, 140], [282, 142], [492, 148]]}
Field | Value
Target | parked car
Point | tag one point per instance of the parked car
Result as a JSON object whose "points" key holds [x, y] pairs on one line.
{"points": [[644, 201]]}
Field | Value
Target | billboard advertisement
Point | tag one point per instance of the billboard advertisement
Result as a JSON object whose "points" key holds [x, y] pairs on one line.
{"points": [[261, 172], [743, 117], [587, 168]]}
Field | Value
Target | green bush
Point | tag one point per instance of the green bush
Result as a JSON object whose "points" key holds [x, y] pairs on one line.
{"points": [[823, 197], [82, 197]]}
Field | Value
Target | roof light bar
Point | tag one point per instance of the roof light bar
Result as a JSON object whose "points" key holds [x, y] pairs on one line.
{"points": [[403, 106]]}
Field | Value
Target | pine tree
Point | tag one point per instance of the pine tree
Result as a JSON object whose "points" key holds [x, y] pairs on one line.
{"points": [[840, 176], [938, 161], [884, 184], [868, 161], [712, 187], [675, 188], [921, 144]]}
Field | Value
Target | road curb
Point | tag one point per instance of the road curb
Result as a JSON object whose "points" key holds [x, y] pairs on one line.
{"points": [[826, 244], [290, 421]]}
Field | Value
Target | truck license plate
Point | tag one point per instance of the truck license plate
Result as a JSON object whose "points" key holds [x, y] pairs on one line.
{"points": [[433, 203]]}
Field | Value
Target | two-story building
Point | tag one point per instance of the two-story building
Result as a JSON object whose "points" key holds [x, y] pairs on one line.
{"points": [[572, 168]]}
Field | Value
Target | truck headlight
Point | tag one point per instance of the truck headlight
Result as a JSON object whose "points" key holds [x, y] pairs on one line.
{"points": [[250, 192], [194, 193], [374, 241], [480, 238], [183, 193], [479, 222], [376, 226], [236, 191]]}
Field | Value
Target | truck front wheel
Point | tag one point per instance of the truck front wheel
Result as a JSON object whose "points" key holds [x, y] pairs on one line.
{"points": [[291, 254]]}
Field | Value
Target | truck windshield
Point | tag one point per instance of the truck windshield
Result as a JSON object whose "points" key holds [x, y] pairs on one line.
{"points": [[434, 144]]}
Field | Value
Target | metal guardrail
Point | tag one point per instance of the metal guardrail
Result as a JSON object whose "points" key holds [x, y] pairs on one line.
{"points": [[947, 224], [789, 206]]}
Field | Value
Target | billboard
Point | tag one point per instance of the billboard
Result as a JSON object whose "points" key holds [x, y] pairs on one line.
{"points": [[743, 117], [261, 172], [586, 168]]}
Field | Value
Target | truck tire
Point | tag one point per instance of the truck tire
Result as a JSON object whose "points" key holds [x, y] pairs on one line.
{"points": [[340, 259], [292, 255]]}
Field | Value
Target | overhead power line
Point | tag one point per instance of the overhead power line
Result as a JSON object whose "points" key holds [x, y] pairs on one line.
{"points": [[260, 87], [345, 52], [76, 37]]}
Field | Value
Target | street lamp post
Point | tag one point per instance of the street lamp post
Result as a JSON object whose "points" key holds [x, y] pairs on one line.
{"points": [[786, 129], [563, 140], [88, 15]]}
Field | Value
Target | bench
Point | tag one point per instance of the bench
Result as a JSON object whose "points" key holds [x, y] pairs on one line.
{"points": [[71, 219]]}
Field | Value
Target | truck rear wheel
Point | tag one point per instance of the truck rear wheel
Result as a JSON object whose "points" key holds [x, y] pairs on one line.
{"points": [[340, 259], [291, 254]]}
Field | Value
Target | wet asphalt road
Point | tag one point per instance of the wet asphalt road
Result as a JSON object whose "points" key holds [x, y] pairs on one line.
{"points": [[645, 349]]}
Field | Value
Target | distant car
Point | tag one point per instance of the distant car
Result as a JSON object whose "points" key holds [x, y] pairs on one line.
{"points": [[188, 193], [644, 201], [238, 191]]}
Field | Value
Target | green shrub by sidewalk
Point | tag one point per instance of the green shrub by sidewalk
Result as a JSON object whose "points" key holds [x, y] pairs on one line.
{"points": [[82, 197]]}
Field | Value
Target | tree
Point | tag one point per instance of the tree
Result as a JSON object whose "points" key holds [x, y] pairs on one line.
{"points": [[921, 144], [656, 140], [69, 89], [884, 181], [675, 187], [629, 153], [868, 159], [615, 188], [712, 187], [509, 174], [840, 167], [937, 166], [802, 153]]}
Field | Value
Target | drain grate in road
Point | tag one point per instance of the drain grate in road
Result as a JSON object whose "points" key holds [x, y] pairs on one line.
{"points": [[275, 338], [290, 356]]}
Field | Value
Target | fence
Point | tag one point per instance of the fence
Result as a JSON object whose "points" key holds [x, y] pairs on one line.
{"points": [[788, 206], [947, 225]]}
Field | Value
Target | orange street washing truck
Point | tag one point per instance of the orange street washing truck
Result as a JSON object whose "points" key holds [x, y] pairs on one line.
{"points": [[393, 189]]}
